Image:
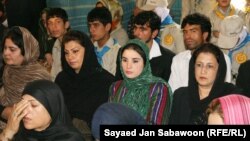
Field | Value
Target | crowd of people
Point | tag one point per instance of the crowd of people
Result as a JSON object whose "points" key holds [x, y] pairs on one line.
{"points": [[58, 83]]}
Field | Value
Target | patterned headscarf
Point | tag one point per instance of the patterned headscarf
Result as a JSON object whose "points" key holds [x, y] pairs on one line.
{"points": [[139, 87], [16, 77], [236, 109]]}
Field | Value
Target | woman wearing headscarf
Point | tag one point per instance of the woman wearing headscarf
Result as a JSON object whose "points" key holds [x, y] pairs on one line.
{"points": [[140, 90], [84, 83], [20, 54], [44, 116], [232, 109], [207, 70]]}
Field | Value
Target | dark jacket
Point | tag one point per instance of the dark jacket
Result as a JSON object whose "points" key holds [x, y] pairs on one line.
{"points": [[187, 107], [86, 90], [182, 109], [243, 78]]}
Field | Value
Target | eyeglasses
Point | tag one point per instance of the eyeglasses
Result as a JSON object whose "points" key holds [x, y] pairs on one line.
{"points": [[208, 67]]}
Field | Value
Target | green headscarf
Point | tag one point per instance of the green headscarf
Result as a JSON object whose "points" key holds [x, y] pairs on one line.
{"points": [[138, 88]]}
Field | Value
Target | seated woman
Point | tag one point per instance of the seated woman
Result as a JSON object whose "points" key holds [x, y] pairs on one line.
{"points": [[43, 114], [207, 70], [232, 109], [84, 83], [20, 54], [140, 90]]}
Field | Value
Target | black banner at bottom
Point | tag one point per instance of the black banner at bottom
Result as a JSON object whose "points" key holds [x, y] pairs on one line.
{"points": [[204, 132]]}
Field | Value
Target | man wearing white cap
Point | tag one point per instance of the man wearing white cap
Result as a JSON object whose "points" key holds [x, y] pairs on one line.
{"points": [[223, 9], [234, 40], [170, 35]]}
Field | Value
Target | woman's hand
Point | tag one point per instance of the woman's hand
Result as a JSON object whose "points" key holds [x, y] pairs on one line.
{"points": [[49, 59], [18, 112]]}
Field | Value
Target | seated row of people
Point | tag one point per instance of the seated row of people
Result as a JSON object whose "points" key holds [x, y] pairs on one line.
{"points": [[107, 49], [83, 80], [232, 109], [206, 80]]}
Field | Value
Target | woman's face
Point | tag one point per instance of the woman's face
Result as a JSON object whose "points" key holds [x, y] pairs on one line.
{"points": [[12, 53], [206, 67], [224, 3], [43, 17], [215, 119], [37, 116], [132, 63], [74, 54]]}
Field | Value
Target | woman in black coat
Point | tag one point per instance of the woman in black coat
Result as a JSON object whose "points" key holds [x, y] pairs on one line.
{"points": [[207, 70], [84, 83], [43, 114], [243, 78]]}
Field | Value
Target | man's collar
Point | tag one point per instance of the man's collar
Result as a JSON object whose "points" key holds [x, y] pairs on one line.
{"points": [[155, 50]]}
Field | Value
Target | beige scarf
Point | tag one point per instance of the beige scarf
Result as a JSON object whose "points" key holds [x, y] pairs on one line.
{"points": [[16, 77]]}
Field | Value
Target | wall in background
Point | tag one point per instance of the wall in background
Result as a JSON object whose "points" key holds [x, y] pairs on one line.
{"points": [[78, 11], [175, 11]]}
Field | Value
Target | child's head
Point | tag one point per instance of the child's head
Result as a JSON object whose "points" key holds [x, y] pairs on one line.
{"points": [[99, 23], [231, 109], [57, 22]]}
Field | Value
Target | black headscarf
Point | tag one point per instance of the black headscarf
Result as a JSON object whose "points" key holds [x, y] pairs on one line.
{"points": [[60, 128], [90, 64], [88, 89], [243, 78], [219, 88], [219, 80]]}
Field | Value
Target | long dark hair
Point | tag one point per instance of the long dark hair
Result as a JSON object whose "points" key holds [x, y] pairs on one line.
{"points": [[15, 34]]}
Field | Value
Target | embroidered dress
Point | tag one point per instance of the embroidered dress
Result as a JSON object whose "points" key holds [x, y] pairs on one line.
{"points": [[147, 94]]}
